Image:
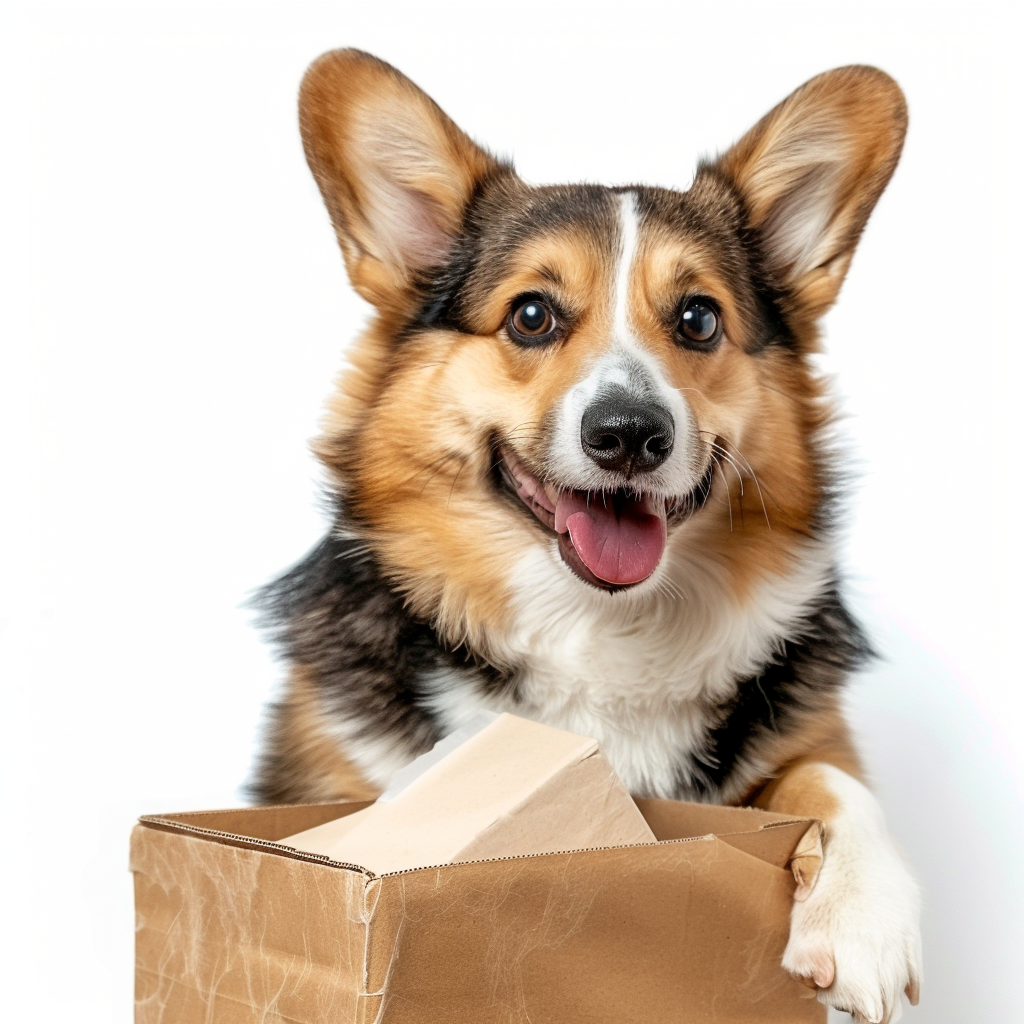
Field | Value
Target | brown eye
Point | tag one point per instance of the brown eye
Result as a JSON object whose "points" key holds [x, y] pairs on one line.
{"points": [[531, 322], [698, 325]]}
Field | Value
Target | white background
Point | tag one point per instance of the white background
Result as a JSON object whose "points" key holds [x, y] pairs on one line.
{"points": [[173, 311]]}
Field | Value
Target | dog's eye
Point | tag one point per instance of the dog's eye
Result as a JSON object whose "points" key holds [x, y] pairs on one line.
{"points": [[698, 325], [531, 322]]}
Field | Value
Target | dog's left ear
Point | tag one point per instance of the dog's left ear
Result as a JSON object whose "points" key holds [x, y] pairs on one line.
{"points": [[811, 171]]}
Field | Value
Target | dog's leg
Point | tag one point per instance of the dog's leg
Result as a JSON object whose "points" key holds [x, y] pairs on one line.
{"points": [[303, 762], [855, 932]]}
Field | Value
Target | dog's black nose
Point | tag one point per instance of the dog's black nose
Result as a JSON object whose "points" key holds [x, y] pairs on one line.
{"points": [[623, 433]]}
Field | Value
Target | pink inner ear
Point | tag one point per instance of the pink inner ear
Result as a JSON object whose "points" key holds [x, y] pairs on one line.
{"points": [[427, 243], [797, 232], [406, 224]]}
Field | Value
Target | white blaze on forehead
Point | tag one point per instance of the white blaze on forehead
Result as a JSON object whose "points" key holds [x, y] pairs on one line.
{"points": [[628, 234], [629, 363]]}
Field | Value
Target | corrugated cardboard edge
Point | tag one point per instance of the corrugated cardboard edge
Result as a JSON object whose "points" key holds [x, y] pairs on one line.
{"points": [[168, 824], [809, 844]]}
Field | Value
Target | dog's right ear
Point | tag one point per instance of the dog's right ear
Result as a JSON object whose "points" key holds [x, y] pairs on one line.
{"points": [[395, 172]]}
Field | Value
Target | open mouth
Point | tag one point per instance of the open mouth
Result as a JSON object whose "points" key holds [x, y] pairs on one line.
{"points": [[612, 539]]}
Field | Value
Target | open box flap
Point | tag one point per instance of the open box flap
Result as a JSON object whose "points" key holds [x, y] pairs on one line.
{"points": [[770, 837], [257, 827]]}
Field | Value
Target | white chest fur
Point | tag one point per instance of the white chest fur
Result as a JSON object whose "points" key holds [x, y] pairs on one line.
{"points": [[638, 670]]}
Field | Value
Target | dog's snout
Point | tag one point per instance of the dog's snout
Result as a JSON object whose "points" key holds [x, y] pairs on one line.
{"points": [[622, 433]]}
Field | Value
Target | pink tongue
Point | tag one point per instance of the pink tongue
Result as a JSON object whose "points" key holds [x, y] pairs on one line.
{"points": [[619, 539]]}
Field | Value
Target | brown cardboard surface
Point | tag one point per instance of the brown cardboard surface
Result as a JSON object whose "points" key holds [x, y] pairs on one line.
{"points": [[515, 787], [223, 934], [671, 819], [233, 928]]}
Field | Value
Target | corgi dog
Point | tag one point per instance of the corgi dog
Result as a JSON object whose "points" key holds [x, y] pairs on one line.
{"points": [[581, 471]]}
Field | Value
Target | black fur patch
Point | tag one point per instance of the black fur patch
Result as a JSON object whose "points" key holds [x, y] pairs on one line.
{"points": [[336, 614], [805, 678]]}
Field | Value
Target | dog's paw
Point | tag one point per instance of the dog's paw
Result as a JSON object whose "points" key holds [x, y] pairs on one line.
{"points": [[855, 934]]}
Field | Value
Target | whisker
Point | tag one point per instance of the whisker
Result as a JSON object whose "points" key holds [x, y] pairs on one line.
{"points": [[732, 462], [454, 482], [718, 453], [728, 490], [757, 483], [528, 431], [432, 468], [750, 470], [668, 586]]}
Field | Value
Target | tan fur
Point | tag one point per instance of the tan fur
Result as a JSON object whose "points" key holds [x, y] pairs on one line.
{"points": [[798, 786], [569, 264], [825, 739], [763, 412], [419, 477], [420, 474], [317, 766]]}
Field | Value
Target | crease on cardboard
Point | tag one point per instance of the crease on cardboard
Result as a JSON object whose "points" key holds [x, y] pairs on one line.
{"points": [[775, 847], [371, 897], [376, 999], [566, 906], [211, 999], [371, 1008], [806, 860], [212, 926]]}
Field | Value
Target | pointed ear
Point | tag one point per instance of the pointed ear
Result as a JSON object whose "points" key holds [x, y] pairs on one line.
{"points": [[811, 171], [395, 172]]}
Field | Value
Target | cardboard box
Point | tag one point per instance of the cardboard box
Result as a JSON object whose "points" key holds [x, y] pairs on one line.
{"points": [[501, 786], [233, 927]]}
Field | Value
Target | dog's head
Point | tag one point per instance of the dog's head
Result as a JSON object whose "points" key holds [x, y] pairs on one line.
{"points": [[590, 380]]}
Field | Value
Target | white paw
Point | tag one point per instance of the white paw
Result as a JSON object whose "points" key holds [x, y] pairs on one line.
{"points": [[856, 936]]}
